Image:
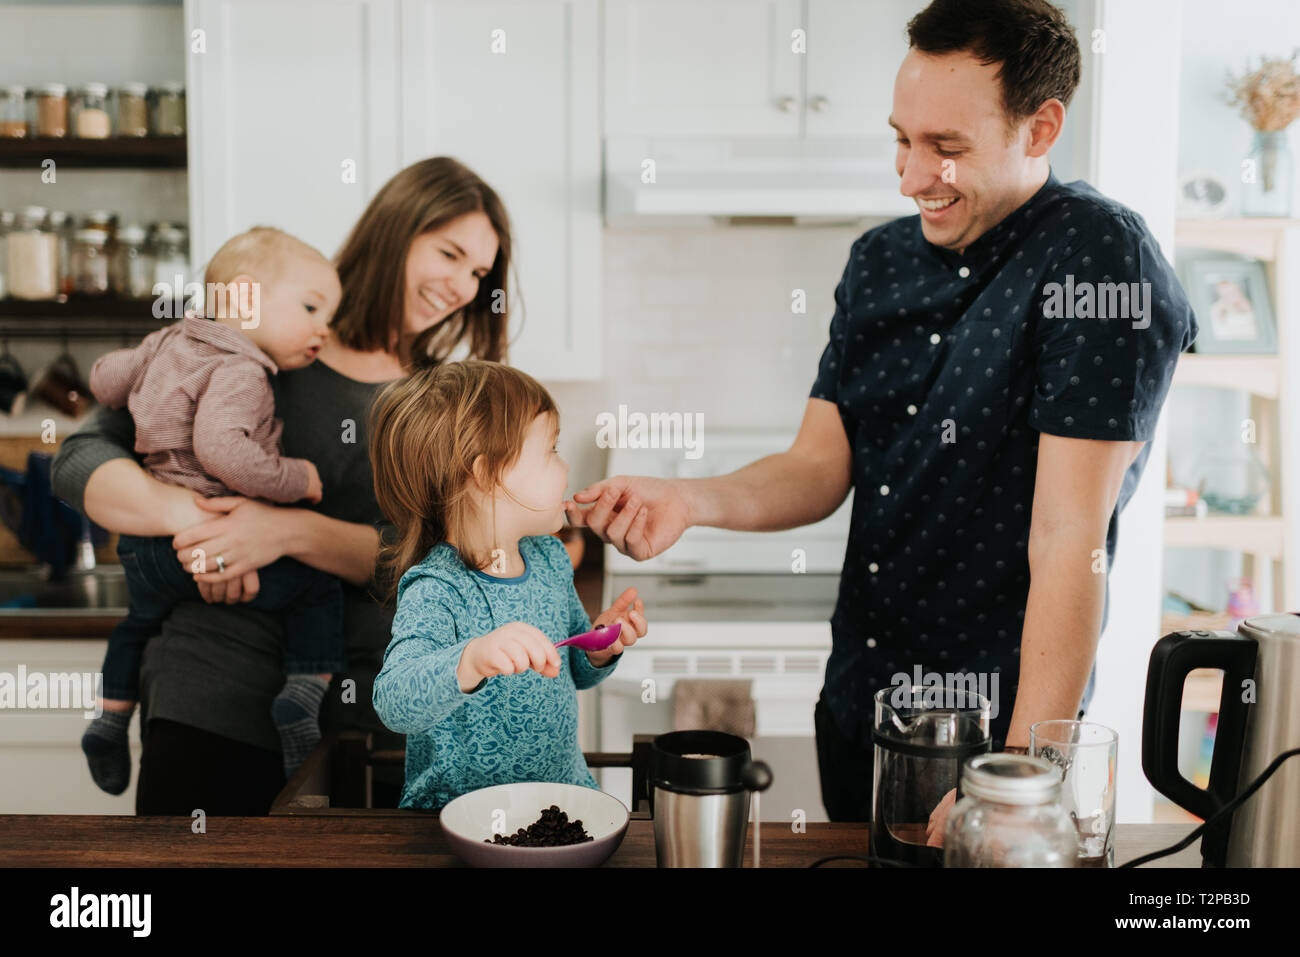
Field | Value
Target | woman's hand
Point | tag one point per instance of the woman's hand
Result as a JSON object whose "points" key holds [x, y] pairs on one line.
{"points": [[231, 592], [632, 614], [245, 534]]}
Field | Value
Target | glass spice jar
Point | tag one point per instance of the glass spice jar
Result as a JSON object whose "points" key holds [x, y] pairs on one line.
{"points": [[6, 227], [133, 109], [90, 119], [60, 223], [13, 112], [102, 220], [133, 268], [33, 256], [90, 263], [51, 116], [169, 110]]}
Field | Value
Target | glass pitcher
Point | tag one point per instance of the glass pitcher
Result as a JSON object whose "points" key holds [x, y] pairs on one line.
{"points": [[921, 736]]}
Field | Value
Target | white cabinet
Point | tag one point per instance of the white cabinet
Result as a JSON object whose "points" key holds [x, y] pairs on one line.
{"points": [[722, 68], [743, 68], [854, 51], [293, 116], [511, 89], [42, 767]]}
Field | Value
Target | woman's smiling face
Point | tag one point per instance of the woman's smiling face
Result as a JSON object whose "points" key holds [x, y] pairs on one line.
{"points": [[444, 268]]}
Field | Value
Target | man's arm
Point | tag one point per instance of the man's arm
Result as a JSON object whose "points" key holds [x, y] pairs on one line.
{"points": [[1075, 491], [800, 486]]}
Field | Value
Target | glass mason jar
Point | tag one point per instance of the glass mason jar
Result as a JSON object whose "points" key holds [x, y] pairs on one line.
{"points": [[133, 271], [1010, 816], [90, 263], [102, 220], [169, 110], [1274, 172], [133, 109], [13, 112], [60, 224], [171, 259], [90, 119], [50, 117], [33, 256]]}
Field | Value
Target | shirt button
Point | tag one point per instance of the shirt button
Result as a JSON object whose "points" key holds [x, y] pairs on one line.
{"points": [[884, 490], [911, 410], [934, 339], [964, 271], [873, 568]]}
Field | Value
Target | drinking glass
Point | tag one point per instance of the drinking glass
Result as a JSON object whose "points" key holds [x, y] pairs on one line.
{"points": [[1085, 753]]}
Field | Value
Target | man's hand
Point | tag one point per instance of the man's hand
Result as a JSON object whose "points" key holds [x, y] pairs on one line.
{"points": [[231, 592], [638, 515], [939, 820]]}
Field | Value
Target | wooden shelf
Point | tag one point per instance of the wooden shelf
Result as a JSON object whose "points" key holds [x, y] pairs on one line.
{"points": [[1259, 375], [79, 318], [115, 153], [1255, 534], [1257, 237]]}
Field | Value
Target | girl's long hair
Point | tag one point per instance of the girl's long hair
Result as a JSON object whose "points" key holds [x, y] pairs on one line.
{"points": [[372, 267], [427, 431]]}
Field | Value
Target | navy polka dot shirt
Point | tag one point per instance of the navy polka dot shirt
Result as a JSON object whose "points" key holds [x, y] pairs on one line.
{"points": [[945, 367]]}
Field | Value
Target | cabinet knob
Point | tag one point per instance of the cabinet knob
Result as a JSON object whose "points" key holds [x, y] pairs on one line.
{"points": [[785, 104], [819, 104]]}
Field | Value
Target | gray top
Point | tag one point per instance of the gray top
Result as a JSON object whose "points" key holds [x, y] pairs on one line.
{"points": [[217, 667]]}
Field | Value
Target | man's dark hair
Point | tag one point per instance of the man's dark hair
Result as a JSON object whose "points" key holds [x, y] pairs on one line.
{"points": [[1032, 39]]}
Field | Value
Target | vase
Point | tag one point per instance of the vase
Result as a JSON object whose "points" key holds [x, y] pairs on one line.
{"points": [[1274, 172]]}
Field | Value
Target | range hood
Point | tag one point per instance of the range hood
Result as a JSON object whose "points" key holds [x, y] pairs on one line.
{"points": [[679, 181]]}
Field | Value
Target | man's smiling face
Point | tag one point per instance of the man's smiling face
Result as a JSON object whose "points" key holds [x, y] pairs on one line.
{"points": [[954, 157]]}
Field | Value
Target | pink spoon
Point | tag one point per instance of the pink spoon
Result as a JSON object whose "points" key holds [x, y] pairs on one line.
{"points": [[596, 640]]}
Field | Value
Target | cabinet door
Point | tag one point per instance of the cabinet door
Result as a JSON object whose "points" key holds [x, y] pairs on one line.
{"points": [[854, 51], [292, 116], [722, 68], [510, 89]]}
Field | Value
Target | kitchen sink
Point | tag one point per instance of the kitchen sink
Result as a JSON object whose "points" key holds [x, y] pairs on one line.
{"points": [[101, 591]]}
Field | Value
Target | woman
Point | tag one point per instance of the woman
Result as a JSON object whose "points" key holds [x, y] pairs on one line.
{"points": [[423, 273]]}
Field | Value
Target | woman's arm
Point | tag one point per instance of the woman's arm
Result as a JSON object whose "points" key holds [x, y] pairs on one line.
{"points": [[95, 472], [252, 534]]}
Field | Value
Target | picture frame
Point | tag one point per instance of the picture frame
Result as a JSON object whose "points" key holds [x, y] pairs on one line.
{"points": [[1233, 303]]}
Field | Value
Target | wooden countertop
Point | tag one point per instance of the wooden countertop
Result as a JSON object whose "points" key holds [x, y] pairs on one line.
{"points": [[403, 839]]}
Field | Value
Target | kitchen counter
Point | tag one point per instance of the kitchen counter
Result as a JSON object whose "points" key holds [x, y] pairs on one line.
{"points": [[402, 839]]}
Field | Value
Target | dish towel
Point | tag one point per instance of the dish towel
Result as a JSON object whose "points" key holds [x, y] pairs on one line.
{"points": [[714, 705]]}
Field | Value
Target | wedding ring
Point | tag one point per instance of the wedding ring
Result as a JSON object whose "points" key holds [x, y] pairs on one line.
{"points": [[221, 565]]}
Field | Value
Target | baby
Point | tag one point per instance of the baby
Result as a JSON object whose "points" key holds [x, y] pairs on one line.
{"points": [[200, 395], [466, 469]]}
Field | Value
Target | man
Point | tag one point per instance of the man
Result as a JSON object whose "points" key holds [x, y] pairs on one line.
{"points": [[988, 390]]}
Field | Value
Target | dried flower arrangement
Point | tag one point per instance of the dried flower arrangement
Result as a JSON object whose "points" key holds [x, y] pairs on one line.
{"points": [[1270, 96]]}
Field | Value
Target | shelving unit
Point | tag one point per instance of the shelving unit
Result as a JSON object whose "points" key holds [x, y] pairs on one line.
{"points": [[75, 318], [1268, 540]]}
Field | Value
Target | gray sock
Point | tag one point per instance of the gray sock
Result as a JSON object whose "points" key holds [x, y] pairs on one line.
{"points": [[108, 751], [296, 711]]}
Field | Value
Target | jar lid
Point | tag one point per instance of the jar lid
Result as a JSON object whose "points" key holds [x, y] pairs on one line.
{"points": [[131, 234], [100, 217], [33, 212], [96, 236], [58, 218], [134, 89], [174, 87], [6, 217], [1011, 779], [16, 92], [51, 89], [94, 89]]}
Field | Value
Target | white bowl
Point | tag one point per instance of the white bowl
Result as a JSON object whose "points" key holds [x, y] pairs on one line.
{"points": [[468, 823]]}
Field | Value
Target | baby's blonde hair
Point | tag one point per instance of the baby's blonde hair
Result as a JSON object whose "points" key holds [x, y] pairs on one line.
{"points": [[260, 252], [425, 433]]}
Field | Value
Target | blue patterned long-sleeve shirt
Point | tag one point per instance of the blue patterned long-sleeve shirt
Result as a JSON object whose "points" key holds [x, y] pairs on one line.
{"points": [[510, 728]]}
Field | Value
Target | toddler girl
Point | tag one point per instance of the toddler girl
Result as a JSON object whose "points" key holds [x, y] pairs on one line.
{"points": [[466, 469]]}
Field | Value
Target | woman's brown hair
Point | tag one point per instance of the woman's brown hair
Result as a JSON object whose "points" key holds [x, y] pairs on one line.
{"points": [[427, 431], [372, 266]]}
